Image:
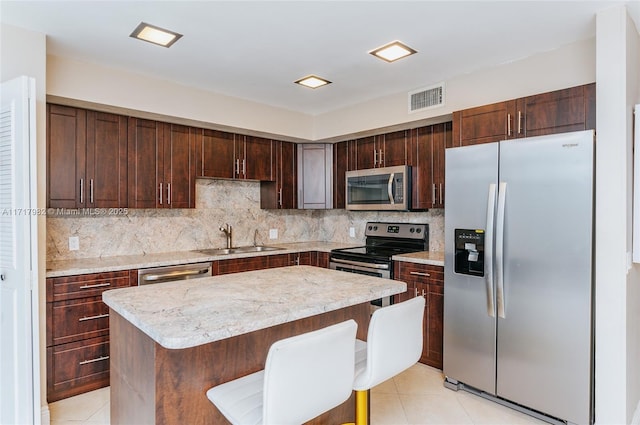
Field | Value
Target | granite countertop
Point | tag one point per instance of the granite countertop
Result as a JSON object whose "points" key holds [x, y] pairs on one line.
{"points": [[130, 262], [433, 258], [194, 312]]}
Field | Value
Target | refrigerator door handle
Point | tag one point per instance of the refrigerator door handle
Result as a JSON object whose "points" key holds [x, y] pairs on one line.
{"points": [[488, 264], [502, 194], [390, 189]]}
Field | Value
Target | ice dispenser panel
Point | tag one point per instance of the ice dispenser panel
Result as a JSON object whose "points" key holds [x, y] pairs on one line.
{"points": [[469, 253]]}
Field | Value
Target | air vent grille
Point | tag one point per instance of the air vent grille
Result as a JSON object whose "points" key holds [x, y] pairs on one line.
{"points": [[425, 98]]}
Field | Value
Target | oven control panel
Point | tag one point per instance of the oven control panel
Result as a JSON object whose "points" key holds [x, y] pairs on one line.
{"points": [[398, 230]]}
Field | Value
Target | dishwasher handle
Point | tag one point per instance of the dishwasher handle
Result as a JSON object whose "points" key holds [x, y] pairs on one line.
{"points": [[173, 273], [162, 276]]}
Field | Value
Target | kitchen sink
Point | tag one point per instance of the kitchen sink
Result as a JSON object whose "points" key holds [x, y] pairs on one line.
{"points": [[238, 250]]}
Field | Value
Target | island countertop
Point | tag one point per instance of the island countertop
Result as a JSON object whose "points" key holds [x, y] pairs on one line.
{"points": [[193, 312]]}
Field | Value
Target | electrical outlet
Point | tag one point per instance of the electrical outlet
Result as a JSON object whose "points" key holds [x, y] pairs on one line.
{"points": [[273, 233], [74, 243], [352, 232]]}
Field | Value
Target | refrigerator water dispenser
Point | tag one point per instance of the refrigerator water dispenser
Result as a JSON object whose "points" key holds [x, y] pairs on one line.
{"points": [[469, 252]]}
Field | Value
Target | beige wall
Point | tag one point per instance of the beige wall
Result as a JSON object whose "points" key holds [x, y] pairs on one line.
{"points": [[23, 53]]}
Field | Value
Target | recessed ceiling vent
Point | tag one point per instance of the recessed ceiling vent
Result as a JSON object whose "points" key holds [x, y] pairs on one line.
{"points": [[425, 98]]}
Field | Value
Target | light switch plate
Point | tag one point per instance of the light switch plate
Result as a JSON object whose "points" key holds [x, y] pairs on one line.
{"points": [[273, 233], [74, 243], [352, 232]]}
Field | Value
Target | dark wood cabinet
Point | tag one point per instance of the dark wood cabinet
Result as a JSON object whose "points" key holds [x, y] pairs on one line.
{"points": [[217, 154], [281, 193], [559, 111], [77, 332], [310, 258], [254, 158], [86, 158], [427, 160], [427, 281], [384, 150], [341, 164], [162, 167]]}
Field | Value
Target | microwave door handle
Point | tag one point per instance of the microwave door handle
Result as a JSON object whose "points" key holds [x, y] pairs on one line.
{"points": [[390, 189]]}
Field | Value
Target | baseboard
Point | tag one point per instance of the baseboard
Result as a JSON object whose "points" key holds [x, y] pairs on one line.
{"points": [[45, 416], [636, 416]]}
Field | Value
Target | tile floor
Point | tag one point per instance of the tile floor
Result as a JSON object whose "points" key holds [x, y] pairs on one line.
{"points": [[416, 396]]}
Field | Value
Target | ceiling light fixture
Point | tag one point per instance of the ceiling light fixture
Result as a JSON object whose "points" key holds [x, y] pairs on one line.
{"points": [[155, 35], [393, 51], [312, 81]]}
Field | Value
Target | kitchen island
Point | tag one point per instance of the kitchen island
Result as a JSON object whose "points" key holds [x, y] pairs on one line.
{"points": [[170, 342]]}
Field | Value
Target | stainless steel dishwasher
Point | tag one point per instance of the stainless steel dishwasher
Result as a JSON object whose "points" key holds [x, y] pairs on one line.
{"points": [[172, 273]]}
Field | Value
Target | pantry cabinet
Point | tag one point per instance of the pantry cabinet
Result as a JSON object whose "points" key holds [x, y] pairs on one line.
{"points": [[77, 332], [86, 158], [426, 281], [162, 168], [559, 111], [281, 193]]}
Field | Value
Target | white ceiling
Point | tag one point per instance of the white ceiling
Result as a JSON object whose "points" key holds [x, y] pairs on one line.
{"points": [[256, 49]]}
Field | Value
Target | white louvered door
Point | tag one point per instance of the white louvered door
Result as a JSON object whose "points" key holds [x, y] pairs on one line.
{"points": [[19, 372]]}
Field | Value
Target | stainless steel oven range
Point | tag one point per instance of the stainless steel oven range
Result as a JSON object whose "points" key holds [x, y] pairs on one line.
{"points": [[383, 241]]}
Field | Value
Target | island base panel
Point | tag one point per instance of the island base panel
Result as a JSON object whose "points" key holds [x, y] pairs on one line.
{"points": [[154, 385]]}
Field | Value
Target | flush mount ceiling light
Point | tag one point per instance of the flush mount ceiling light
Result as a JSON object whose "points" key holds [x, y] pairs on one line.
{"points": [[393, 51], [312, 81], [155, 35]]}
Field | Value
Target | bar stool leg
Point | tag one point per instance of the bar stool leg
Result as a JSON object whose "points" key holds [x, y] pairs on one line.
{"points": [[362, 407]]}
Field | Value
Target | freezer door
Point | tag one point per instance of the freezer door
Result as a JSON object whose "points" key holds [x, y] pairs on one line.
{"points": [[469, 313], [544, 327]]}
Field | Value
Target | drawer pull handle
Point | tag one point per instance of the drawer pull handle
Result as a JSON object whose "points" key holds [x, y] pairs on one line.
{"points": [[420, 274], [99, 359], [99, 316], [99, 285]]}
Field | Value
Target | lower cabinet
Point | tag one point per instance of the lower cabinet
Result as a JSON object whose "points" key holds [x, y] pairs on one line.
{"points": [[427, 281], [78, 332], [78, 320]]}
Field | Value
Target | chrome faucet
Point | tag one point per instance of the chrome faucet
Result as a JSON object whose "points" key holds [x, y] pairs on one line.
{"points": [[228, 231], [255, 238]]}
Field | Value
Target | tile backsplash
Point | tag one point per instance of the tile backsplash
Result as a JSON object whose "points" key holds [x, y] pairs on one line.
{"points": [[140, 231]]}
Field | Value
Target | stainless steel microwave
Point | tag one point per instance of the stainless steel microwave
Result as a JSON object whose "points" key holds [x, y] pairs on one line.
{"points": [[379, 189]]}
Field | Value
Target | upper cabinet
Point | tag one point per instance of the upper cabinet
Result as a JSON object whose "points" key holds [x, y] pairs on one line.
{"points": [[427, 149], [281, 193], [384, 150], [86, 158], [559, 111], [161, 165], [227, 155], [341, 164], [315, 176]]}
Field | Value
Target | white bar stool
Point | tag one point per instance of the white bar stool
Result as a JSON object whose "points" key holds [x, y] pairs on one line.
{"points": [[304, 376], [394, 343]]}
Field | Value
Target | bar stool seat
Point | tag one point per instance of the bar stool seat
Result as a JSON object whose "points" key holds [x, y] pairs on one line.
{"points": [[394, 343], [304, 376]]}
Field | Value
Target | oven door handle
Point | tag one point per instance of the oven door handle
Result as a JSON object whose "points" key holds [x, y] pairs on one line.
{"points": [[361, 264]]}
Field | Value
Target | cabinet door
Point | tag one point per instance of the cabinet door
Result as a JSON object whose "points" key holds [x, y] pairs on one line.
{"points": [[217, 154], [145, 157], [484, 124], [422, 168], [340, 167], [392, 149], [178, 167], [559, 111], [106, 160], [255, 159], [66, 153], [434, 319], [366, 153], [441, 139], [286, 174]]}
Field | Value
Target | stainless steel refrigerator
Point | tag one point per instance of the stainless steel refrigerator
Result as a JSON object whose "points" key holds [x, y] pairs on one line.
{"points": [[518, 290]]}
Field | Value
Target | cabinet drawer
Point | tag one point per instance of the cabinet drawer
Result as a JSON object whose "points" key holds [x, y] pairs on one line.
{"points": [[77, 367], [419, 273], [73, 320], [87, 285]]}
